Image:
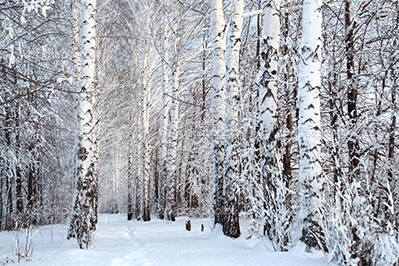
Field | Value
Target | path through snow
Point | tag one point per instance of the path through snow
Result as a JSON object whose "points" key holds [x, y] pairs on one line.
{"points": [[119, 242]]}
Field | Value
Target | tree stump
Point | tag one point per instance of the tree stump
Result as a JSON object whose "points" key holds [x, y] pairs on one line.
{"points": [[188, 225]]}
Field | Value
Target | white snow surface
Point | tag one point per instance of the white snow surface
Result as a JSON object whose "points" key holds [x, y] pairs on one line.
{"points": [[121, 242]]}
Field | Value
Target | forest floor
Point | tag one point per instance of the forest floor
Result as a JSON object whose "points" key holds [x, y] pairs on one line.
{"points": [[119, 242]]}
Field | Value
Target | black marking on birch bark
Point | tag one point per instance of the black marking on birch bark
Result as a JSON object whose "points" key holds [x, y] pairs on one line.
{"points": [[237, 40], [312, 149], [308, 120], [82, 155], [267, 109]]}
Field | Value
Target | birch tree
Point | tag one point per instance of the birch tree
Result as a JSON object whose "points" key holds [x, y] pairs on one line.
{"points": [[231, 226], [268, 107], [173, 137], [309, 125], [146, 81], [84, 217], [218, 30], [163, 147]]}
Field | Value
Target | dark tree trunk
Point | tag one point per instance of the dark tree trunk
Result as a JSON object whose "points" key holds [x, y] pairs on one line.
{"points": [[9, 180], [18, 190], [391, 147], [231, 225], [130, 173], [32, 191], [353, 142], [9, 212], [290, 98]]}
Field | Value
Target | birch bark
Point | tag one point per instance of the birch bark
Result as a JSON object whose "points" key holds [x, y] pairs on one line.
{"points": [[84, 218], [268, 108], [130, 168], [170, 212], [172, 155], [145, 155], [145, 107], [218, 29], [231, 226], [163, 147], [309, 126]]}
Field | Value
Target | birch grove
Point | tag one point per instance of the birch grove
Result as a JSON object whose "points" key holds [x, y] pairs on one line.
{"points": [[275, 119]]}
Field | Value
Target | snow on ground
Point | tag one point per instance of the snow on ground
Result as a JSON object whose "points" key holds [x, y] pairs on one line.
{"points": [[119, 242]]}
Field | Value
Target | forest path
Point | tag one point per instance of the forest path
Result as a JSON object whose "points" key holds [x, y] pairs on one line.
{"points": [[119, 242]]}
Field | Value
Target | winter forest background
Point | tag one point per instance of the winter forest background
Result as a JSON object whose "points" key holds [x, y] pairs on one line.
{"points": [[281, 112]]}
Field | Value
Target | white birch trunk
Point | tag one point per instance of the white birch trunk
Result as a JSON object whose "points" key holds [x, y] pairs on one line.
{"points": [[76, 40], [145, 106], [130, 168], [268, 108], [138, 172], [170, 212], [163, 147], [77, 63], [231, 225], [145, 155], [309, 125], [84, 218], [172, 155], [218, 29]]}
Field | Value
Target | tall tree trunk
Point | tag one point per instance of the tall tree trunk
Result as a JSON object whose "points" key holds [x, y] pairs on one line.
{"points": [[353, 142], [231, 225], [163, 147], [2, 193], [309, 126], [391, 145], [84, 218], [8, 221], [32, 187], [268, 108], [9, 206], [170, 210], [138, 172], [76, 59], [290, 94], [130, 167], [145, 155], [218, 29]]}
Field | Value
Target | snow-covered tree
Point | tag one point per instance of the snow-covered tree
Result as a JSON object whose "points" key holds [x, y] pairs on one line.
{"points": [[84, 217], [218, 30], [309, 124], [231, 226], [268, 109]]}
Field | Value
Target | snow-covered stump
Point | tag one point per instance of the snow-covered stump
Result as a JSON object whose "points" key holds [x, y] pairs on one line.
{"points": [[218, 29], [309, 126], [84, 216], [231, 225]]}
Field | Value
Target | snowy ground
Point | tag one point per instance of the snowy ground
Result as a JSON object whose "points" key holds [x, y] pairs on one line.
{"points": [[119, 242]]}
